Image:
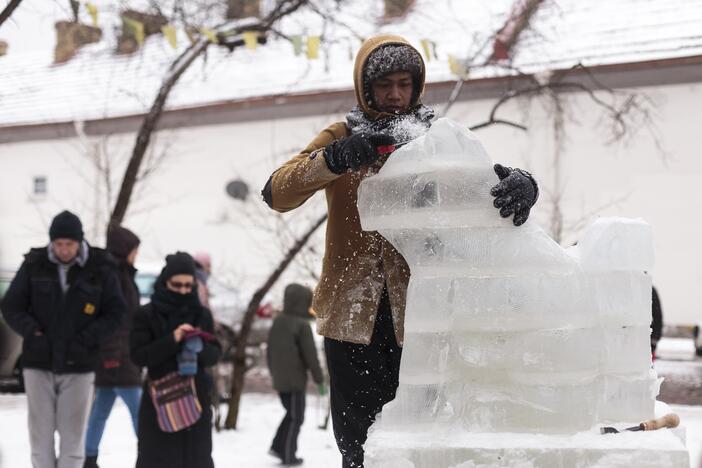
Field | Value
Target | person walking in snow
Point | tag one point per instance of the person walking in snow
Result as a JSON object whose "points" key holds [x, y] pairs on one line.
{"points": [[173, 337], [116, 374], [291, 354], [64, 301]]}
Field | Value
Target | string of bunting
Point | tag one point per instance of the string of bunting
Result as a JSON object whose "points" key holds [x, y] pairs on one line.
{"points": [[89, 7], [310, 45]]}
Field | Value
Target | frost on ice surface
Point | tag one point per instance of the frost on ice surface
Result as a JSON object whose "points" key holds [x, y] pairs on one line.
{"points": [[506, 332]]}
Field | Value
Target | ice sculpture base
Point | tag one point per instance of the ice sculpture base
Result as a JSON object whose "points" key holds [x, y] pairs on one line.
{"points": [[462, 449]]}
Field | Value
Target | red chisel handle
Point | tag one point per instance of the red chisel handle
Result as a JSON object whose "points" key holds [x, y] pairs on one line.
{"points": [[385, 149]]}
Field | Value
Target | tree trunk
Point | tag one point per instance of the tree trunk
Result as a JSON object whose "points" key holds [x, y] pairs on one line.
{"points": [[247, 322]]}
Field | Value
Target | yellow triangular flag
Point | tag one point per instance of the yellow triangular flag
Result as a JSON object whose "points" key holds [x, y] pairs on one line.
{"points": [[93, 12], [313, 47], [426, 46], [250, 39], [209, 34], [457, 67], [297, 44], [169, 32], [136, 28]]}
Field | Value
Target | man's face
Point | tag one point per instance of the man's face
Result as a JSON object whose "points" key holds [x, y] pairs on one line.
{"points": [[65, 249], [393, 93]]}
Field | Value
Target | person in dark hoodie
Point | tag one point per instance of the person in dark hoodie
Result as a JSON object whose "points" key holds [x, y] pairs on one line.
{"points": [[64, 301], [174, 334], [360, 297], [116, 375], [291, 353]]}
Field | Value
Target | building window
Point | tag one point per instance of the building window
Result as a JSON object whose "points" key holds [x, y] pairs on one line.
{"points": [[39, 185]]}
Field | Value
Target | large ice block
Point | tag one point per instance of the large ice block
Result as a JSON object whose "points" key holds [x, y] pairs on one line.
{"points": [[512, 342]]}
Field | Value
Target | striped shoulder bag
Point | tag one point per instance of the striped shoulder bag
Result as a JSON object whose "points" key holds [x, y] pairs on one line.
{"points": [[175, 401]]}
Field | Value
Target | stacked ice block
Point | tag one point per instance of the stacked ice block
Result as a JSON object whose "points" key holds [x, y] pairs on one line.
{"points": [[505, 331]]}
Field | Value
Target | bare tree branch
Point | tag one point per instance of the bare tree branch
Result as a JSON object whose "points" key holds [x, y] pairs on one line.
{"points": [[7, 11], [177, 68]]}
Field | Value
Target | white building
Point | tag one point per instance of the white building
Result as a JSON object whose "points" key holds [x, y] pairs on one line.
{"points": [[237, 116]]}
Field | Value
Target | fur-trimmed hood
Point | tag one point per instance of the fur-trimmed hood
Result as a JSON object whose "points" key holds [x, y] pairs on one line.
{"points": [[367, 48]]}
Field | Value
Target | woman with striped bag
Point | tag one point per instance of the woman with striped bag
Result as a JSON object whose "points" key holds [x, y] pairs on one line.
{"points": [[173, 338]]}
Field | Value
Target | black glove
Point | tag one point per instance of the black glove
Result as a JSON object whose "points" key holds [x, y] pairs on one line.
{"points": [[516, 193], [355, 151]]}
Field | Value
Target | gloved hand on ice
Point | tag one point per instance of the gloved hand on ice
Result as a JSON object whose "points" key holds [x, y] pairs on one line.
{"points": [[516, 193], [358, 150]]}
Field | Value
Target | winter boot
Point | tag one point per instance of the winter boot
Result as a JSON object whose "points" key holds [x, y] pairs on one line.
{"points": [[91, 462], [274, 453]]}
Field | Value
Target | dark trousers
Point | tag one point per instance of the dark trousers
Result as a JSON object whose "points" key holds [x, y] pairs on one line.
{"points": [[362, 379], [285, 440]]}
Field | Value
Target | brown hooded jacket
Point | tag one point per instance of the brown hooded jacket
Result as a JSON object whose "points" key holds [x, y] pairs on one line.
{"points": [[356, 263]]}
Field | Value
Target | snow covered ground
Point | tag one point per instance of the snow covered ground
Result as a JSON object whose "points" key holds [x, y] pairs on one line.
{"points": [[246, 447]]}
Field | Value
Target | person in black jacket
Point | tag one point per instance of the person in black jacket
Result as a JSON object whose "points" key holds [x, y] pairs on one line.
{"points": [[116, 374], [156, 341], [64, 301], [291, 353]]}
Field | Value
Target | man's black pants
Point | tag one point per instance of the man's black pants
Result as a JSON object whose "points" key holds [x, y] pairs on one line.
{"points": [[362, 379], [285, 441]]}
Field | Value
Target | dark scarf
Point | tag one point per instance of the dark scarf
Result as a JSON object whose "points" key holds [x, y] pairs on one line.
{"points": [[173, 309], [402, 127]]}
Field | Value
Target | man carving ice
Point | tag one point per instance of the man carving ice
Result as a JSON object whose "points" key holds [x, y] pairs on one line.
{"points": [[360, 298]]}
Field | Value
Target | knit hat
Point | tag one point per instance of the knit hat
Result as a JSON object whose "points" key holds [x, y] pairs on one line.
{"points": [[121, 241], [389, 59], [179, 263], [66, 225]]}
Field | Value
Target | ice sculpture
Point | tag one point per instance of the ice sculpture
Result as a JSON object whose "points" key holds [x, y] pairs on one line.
{"points": [[508, 336]]}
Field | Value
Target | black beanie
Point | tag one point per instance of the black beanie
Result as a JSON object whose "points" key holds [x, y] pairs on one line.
{"points": [[66, 225], [179, 263], [121, 241], [392, 58]]}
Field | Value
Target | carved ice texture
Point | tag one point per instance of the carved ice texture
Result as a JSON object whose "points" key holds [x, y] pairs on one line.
{"points": [[506, 331]]}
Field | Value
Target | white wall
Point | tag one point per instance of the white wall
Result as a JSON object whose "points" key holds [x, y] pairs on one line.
{"points": [[184, 205]]}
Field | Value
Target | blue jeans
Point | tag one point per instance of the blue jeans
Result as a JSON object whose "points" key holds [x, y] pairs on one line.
{"points": [[102, 406]]}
